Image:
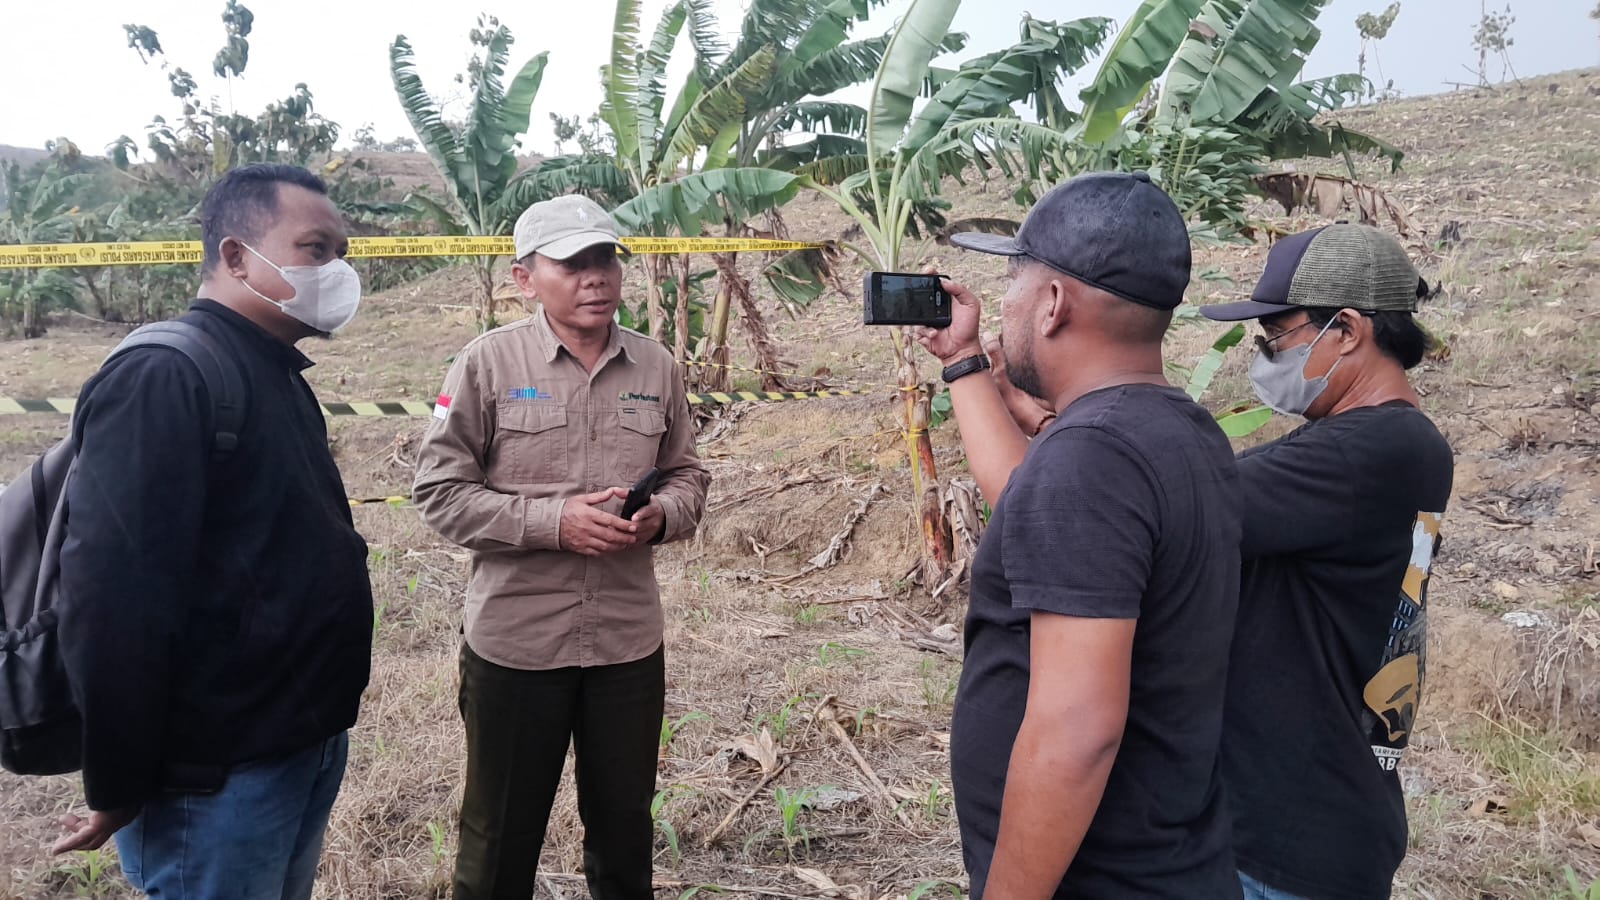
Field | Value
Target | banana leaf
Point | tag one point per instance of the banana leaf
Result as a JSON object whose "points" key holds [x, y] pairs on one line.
{"points": [[904, 68], [1140, 54]]}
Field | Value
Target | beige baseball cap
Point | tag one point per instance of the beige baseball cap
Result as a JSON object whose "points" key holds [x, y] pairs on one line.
{"points": [[563, 227]]}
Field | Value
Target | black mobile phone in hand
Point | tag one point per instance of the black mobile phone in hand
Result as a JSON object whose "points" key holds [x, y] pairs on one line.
{"points": [[898, 298], [640, 493]]}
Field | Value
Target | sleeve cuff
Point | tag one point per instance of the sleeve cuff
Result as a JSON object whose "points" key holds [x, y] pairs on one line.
{"points": [[672, 514], [542, 524]]}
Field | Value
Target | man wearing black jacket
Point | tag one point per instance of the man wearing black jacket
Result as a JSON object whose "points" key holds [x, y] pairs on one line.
{"points": [[216, 614]]}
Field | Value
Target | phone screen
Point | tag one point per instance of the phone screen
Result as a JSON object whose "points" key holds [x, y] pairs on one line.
{"points": [[900, 299]]}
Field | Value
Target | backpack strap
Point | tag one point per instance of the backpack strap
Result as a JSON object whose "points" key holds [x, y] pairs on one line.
{"points": [[223, 380], [41, 509]]}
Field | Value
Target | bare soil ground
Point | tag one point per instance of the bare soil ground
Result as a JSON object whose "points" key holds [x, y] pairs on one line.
{"points": [[833, 685]]}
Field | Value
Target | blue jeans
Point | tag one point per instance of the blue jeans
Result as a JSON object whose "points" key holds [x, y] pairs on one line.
{"points": [[1255, 890], [258, 838]]}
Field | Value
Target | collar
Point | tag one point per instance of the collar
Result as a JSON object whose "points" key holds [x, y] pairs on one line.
{"points": [[273, 348], [550, 345]]}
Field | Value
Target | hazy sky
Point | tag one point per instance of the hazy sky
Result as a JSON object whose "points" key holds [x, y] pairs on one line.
{"points": [[67, 70]]}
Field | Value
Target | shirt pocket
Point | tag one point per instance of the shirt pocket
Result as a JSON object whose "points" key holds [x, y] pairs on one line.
{"points": [[637, 442], [530, 444]]}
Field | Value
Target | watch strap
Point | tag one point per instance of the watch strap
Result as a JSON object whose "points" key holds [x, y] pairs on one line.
{"points": [[964, 367]]}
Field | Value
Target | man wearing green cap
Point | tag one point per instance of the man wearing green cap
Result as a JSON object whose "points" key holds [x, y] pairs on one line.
{"points": [[539, 430], [1341, 521]]}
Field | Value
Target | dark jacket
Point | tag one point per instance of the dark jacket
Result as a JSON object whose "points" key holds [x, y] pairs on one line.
{"points": [[212, 612]]}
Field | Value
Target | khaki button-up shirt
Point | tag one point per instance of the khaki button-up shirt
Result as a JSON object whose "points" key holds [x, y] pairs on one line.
{"points": [[521, 427]]}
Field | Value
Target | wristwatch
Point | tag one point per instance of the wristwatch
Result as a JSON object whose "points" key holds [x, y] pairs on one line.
{"points": [[963, 367]]}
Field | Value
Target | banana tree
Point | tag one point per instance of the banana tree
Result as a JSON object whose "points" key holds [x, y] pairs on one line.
{"points": [[37, 210], [693, 142], [484, 192], [813, 57], [968, 120], [1228, 64]]}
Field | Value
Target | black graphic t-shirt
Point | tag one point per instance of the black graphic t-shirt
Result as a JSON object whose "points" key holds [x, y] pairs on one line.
{"points": [[1126, 508], [1341, 520]]}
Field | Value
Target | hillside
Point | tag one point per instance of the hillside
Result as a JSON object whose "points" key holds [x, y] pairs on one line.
{"points": [[1503, 779], [24, 156]]}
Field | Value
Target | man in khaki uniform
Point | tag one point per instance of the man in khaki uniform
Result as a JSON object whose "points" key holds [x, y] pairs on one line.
{"points": [[541, 427]]}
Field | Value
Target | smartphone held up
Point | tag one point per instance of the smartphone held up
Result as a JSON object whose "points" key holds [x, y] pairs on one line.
{"points": [[898, 298]]}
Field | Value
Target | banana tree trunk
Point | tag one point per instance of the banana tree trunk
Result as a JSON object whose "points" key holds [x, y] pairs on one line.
{"points": [[717, 376], [30, 313], [653, 311], [486, 281], [916, 406], [755, 325], [680, 321]]}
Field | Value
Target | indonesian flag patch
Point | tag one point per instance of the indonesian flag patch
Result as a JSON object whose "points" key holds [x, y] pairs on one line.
{"points": [[442, 407]]}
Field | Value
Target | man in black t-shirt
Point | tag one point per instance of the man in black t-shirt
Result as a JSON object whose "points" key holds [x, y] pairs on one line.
{"points": [[1085, 746], [1341, 521]]}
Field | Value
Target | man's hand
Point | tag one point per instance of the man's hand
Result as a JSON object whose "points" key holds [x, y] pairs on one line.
{"points": [[587, 529], [649, 521], [93, 832], [960, 339], [1029, 412]]}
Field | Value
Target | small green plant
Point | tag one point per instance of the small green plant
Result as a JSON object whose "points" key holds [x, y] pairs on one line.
{"points": [[1427, 817], [789, 806], [807, 615], [411, 585], [670, 728], [934, 801], [1575, 887], [439, 835], [777, 723], [832, 651], [938, 685], [930, 805], [377, 618], [90, 875], [866, 714], [663, 822], [935, 889], [702, 580]]}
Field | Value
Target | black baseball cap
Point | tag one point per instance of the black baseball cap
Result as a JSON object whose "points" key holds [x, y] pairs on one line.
{"points": [[1339, 266], [1115, 231]]}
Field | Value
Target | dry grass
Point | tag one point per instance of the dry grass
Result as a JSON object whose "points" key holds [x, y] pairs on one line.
{"points": [[758, 642]]}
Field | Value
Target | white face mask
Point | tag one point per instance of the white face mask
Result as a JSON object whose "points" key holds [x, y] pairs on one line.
{"points": [[325, 296], [1281, 382]]}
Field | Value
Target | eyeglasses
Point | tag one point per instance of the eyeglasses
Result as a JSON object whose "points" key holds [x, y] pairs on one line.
{"points": [[1267, 344]]}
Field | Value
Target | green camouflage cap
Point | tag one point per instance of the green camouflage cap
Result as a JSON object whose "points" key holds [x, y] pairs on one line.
{"points": [[1337, 267]]}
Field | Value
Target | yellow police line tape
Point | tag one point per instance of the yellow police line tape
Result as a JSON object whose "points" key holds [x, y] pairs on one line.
{"points": [[145, 253], [65, 405]]}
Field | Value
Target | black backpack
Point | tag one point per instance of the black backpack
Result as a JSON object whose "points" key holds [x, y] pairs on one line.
{"points": [[40, 730]]}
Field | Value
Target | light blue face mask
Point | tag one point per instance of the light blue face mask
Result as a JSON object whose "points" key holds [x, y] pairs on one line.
{"points": [[1280, 379]]}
